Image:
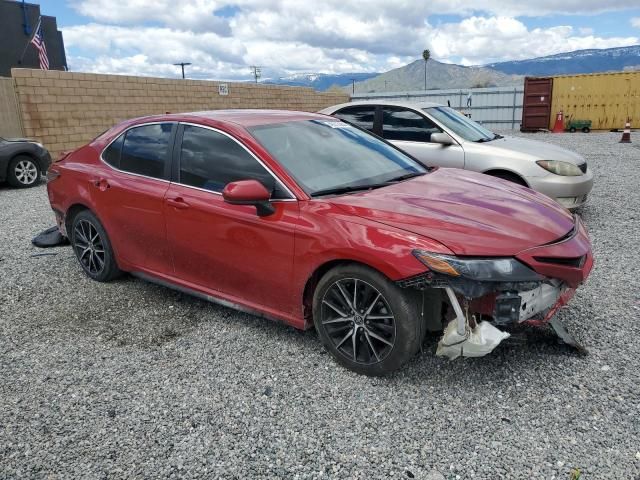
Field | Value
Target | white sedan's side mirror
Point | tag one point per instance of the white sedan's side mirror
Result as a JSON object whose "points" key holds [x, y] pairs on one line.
{"points": [[441, 138]]}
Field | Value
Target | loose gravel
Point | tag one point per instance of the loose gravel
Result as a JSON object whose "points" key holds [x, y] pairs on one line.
{"points": [[129, 379]]}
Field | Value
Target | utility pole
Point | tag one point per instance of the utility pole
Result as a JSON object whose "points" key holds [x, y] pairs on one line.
{"points": [[385, 85], [353, 85], [182, 64], [257, 71]]}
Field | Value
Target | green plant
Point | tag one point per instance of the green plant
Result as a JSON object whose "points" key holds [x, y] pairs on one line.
{"points": [[575, 474], [426, 55]]}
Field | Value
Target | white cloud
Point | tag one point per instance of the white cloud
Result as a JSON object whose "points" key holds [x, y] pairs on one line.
{"points": [[195, 15], [635, 21], [222, 37], [480, 40]]}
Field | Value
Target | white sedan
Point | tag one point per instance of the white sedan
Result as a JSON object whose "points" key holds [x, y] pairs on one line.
{"points": [[438, 135]]}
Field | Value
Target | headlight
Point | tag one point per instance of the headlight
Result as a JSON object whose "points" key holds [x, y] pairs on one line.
{"points": [[480, 269], [565, 169]]}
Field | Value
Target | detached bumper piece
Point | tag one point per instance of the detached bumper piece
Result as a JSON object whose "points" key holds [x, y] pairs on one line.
{"points": [[462, 340], [477, 342]]}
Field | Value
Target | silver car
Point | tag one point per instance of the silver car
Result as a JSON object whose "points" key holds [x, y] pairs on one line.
{"points": [[438, 135]]}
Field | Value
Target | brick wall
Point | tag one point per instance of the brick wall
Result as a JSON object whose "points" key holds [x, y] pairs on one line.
{"points": [[66, 109], [9, 115]]}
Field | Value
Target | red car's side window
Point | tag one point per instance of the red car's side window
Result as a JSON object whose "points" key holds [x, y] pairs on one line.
{"points": [[142, 150], [210, 160]]}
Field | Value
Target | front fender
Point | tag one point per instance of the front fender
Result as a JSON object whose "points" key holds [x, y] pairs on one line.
{"points": [[326, 234]]}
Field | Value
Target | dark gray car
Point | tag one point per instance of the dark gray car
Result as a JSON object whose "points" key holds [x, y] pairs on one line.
{"points": [[22, 161]]}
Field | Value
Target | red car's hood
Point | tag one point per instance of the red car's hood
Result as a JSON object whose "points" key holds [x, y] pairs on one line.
{"points": [[470, 213]]}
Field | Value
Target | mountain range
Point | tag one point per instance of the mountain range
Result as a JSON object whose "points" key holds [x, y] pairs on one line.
{"points": [[445, 75], [580, 61], [320, 81], [439, 75]]}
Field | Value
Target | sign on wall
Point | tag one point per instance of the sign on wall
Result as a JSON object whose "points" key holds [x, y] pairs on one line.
{"points": [[223, 89]]}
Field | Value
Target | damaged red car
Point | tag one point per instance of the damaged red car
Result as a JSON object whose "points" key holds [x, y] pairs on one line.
{"points": [[308, 220]]}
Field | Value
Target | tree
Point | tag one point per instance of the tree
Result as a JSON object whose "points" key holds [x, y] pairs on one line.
{"points": [[426, 55]]}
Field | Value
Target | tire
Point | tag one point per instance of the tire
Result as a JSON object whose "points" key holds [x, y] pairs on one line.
{"points": [[586, 129], [382, 344], [510, 177], [572, 129], [92, 247], [23, 172]]}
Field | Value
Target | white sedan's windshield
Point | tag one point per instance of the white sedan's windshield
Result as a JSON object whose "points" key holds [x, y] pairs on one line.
{"points": [[324, 155], [461, 125]]}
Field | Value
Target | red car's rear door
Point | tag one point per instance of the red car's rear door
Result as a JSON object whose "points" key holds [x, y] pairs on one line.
{"points": [[222, 247], [129, 195]]}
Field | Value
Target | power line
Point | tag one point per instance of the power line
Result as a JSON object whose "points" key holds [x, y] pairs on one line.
{"points": [[182, 64], [256, 70]]}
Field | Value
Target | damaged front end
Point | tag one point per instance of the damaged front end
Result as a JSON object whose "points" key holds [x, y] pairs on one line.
{"points": [[486, 293]]}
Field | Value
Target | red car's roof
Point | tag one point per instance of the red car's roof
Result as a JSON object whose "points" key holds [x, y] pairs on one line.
{"points": [[245, 118]]}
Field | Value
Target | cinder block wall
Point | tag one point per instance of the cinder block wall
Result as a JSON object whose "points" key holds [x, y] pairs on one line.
{"points": [[9, 115], [64, 110]]}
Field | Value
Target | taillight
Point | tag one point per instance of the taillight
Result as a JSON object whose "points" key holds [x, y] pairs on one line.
{"points": [[52, 175]]}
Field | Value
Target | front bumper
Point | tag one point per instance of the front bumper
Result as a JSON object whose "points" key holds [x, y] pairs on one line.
{"points": [[570, 192], [44, 159], [564, 265]]}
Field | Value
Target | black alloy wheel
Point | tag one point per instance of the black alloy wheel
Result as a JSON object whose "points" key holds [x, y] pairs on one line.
{"points": [[358, 320], [92, 247], [365, 321], [89, 247]]}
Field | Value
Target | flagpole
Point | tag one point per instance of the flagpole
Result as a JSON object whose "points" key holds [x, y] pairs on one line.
{"points": [[33, 34]]}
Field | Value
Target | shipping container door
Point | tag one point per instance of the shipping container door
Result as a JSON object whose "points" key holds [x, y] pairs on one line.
{"points": [[536, 110]]}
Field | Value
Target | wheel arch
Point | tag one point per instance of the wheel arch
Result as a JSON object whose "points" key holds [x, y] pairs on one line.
{"points": [[494, 171], [27, 153], [314, 278], [72, 211]]}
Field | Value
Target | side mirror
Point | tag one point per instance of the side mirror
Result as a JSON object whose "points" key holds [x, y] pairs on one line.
{"points": [[442, 138], [249, 192]]}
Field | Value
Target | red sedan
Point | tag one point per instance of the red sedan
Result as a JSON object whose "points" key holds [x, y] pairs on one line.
{"points": [[306, 219]]}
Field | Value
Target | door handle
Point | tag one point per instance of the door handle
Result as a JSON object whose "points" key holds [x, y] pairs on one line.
{"points": [[101, 183], [178, 203]]}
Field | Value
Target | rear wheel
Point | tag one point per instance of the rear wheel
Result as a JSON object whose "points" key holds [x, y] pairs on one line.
{"points": [[92, 247], [23, 172], [369, 324], [586, 129], [572, 129]]}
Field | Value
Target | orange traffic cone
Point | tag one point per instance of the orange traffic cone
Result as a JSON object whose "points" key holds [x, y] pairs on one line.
{"points": [[559, 125], [626, 134]]}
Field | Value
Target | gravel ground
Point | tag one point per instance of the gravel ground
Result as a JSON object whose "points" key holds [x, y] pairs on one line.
{"points": [[129, 379]]}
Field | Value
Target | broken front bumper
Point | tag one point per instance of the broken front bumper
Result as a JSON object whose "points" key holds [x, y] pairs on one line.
{"points": [[557, 269]]}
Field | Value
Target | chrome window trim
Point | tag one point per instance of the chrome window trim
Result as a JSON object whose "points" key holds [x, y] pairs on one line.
{"points": [[124, 132], [255, 157], [287, 190]]}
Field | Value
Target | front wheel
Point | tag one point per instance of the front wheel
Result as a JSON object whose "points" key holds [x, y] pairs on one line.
{"points": [[367, 323], [93, 248]]}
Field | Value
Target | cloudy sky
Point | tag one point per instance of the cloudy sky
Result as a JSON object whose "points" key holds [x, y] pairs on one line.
{"points": [[223, 38]]}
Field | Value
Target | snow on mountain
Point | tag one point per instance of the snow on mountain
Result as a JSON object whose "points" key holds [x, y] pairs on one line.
{"points": [[579, 61]]}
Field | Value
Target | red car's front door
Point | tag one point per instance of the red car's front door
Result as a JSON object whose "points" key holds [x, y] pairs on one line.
{"points": [[229, 248]]}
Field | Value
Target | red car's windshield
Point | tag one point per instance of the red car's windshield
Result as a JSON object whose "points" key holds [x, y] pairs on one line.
{"points": [[328, 156]]}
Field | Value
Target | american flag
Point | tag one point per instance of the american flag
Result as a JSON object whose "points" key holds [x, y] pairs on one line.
{"points": [[38, 42]]}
